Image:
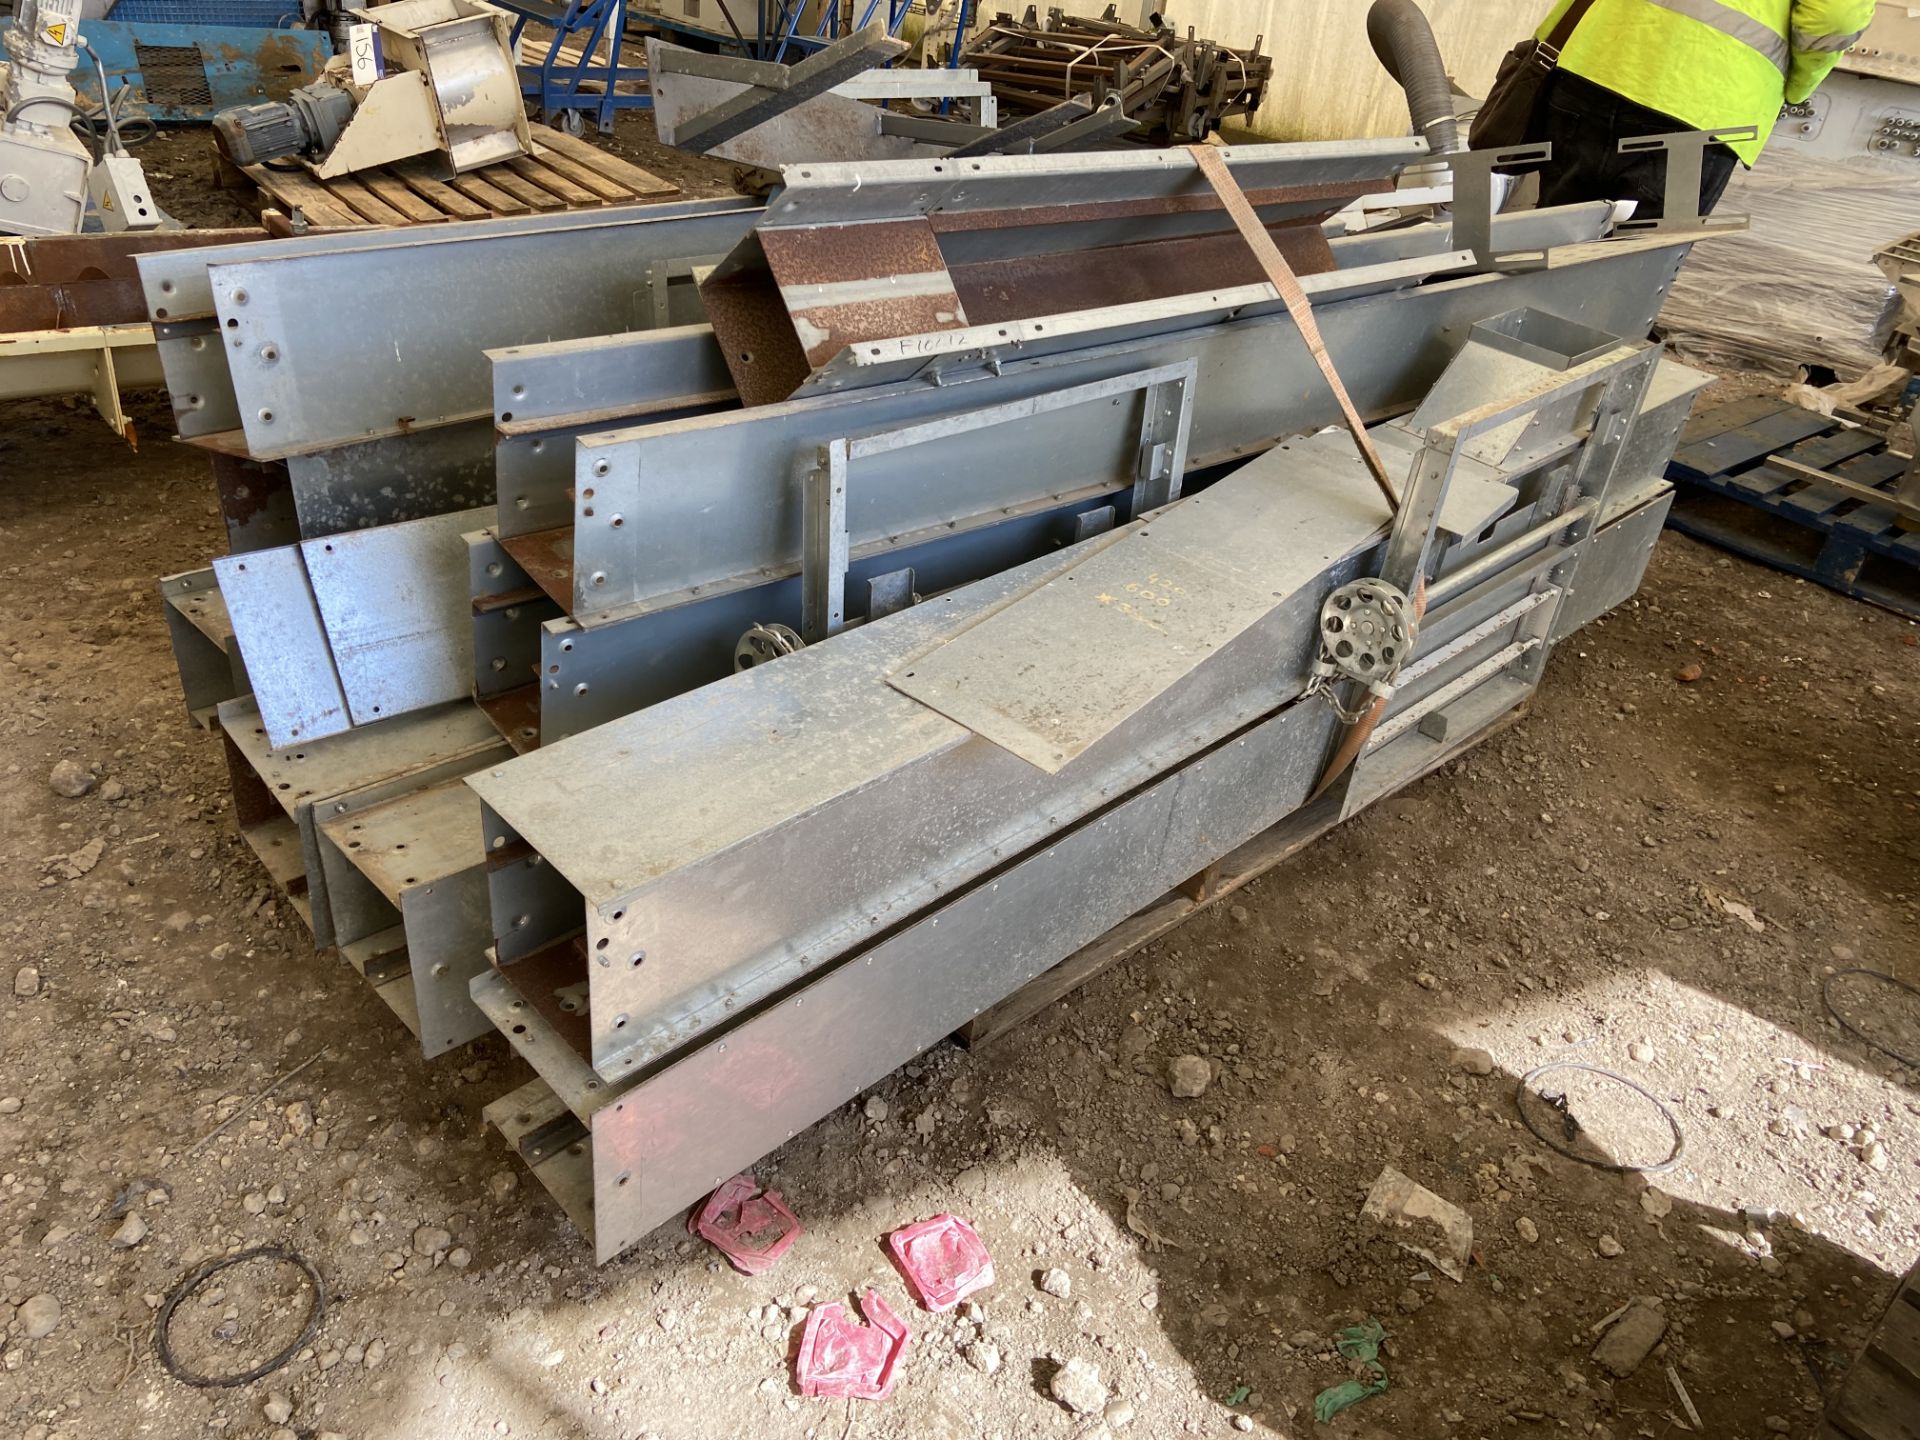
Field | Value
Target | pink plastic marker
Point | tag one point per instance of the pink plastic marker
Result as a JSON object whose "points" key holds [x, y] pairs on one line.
{"points": [[750, 1228], [840, 1359], [944, 1259]]}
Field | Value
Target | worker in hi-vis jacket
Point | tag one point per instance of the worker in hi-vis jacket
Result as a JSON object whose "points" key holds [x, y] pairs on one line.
{"points": [[1630, 68]]}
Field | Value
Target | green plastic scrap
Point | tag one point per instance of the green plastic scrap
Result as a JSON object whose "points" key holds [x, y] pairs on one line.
{"points": [[1361, 1343], [1239, 1395]]}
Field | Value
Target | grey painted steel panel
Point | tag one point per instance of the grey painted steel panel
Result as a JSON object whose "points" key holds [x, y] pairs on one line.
{"points": [[834, 726], [678, 1133], [204, 650], [284, 643], [726, 490], [176, 285], [425, 855], [412, 353], [546, 395], [360, 767], [523, 1027], [398, 613], [385, 482], [1656, 432]]}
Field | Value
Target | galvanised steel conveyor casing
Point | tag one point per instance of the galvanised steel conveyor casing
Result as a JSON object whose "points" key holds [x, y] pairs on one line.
{"points": [[807, 835]]}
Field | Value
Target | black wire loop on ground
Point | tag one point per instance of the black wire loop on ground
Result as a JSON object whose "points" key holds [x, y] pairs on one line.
{"points": [[195, 1279], [1826, 999], [1525, 1089]]}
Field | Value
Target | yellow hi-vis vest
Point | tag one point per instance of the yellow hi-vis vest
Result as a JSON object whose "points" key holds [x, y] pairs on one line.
{"points": [[1713, 64]]}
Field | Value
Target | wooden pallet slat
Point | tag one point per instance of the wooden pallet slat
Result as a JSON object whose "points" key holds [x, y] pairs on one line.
{"points": [[418, 177], [393, 190], [297, 190], [567, 168], [496, 200], [532, 172], [1758, 506], [351, 192], [563, 173], [607, 164], [506, 178]]}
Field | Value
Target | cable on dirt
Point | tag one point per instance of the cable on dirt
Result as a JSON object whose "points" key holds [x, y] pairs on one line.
{"points": [[1826, 999], [196, 1278], [1525, 1089]]}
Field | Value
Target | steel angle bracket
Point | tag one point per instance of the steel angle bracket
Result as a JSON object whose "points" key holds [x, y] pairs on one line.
{"points": [[204, 649], [1473, 202], [1686, 155], [1166, 423]]}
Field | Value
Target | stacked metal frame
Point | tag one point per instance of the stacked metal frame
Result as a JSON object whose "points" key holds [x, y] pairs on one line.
{"points": [[500, 753]]}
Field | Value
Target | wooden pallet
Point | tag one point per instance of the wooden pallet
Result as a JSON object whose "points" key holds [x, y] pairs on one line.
{"points": [[1880, 1397], [564, 173], [1734, 493]]}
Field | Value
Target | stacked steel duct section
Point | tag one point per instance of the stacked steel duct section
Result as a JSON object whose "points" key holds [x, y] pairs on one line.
{"points": [[726, 650]]}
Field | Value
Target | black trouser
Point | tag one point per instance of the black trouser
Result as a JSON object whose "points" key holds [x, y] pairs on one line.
{"points": [[1586, 124]]}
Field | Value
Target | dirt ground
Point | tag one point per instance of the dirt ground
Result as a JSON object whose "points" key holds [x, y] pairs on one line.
{"points": [[1650, 874]]}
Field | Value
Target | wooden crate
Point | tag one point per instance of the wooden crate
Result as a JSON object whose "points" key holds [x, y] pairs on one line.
{"points": [[564, 173]]}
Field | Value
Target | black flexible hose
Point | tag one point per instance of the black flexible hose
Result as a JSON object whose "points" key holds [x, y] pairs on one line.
{"points": [[1404, 41]]}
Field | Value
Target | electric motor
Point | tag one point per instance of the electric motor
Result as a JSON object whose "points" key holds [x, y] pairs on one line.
{"points": [[307, 124]]}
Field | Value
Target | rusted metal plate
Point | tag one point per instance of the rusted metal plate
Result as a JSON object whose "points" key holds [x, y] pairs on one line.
{"points": [[57, 282], [547, 557], [1046, 284], [842, 284]]}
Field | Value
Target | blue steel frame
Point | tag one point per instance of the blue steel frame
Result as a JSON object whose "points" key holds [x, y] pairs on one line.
{"points": [[785, 15], [560, 88], [244, 64]]}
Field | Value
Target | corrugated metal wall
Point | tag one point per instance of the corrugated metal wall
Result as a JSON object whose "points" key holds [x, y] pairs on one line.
{"points": [[1326, 82]]}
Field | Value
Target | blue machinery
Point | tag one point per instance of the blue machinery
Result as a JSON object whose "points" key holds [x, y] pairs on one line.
{"points": [[182, 69], [566, 90]]}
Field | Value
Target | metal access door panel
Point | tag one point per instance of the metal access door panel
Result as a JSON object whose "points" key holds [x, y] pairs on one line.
{"points": [[680, 1133]]}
